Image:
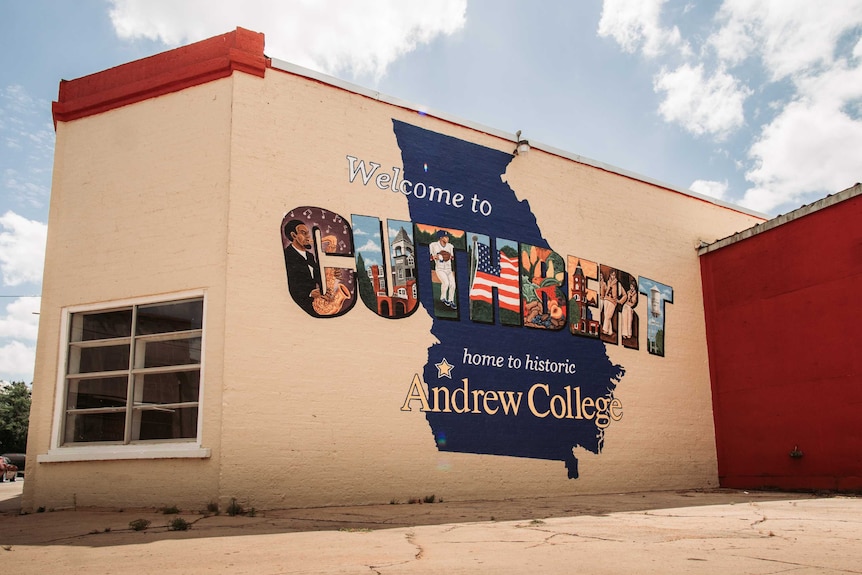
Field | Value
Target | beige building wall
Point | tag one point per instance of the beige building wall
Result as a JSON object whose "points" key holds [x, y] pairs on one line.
{"points": [[139, 209], [186, 192]]}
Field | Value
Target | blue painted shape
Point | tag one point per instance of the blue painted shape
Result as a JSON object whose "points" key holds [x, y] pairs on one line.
{"points": [[468, 168]]}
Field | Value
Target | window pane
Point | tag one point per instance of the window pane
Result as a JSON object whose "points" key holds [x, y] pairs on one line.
{"points": [[163, 318], [89, 393], [176, 387], [102, 325], [95, 426], [173, 352], [175, 423], [151, 409], [109, 358]]}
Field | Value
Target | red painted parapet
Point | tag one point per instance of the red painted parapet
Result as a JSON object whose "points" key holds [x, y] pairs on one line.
{"points": [[171, 71]]}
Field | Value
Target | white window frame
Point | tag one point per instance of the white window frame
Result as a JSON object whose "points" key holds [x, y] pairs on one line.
{"points": [[162, 449]]}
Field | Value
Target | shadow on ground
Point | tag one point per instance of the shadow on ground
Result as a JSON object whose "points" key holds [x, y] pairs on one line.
{"points": [[109, 527]]}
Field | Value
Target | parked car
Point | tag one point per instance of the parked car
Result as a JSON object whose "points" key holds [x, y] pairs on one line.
{"points": [[19, 459], [8, 470]]}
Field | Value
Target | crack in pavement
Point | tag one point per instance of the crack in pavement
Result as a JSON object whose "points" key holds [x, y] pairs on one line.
{"points": [[806, 565], [411, 538], [552, 534]]}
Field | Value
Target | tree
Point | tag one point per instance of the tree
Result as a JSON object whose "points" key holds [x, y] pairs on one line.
{"points": [[14, 417], [366, 289]]}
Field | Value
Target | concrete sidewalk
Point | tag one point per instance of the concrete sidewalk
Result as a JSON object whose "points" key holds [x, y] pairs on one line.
{"points": [[719, 531]]}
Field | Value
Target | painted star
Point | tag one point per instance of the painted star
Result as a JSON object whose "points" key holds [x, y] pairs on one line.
{"points": [[444, 369]]}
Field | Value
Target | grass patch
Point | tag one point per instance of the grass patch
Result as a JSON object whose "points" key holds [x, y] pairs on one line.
{"points": [[234, 508], [179, 524], [139, 524]]}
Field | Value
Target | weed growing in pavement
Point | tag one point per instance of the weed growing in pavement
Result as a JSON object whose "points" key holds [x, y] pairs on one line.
{"points": [[179, 524], [234, 508], [139, 524]]}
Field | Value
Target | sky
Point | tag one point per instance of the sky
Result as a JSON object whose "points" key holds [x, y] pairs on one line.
{"points": [[754, 102]]}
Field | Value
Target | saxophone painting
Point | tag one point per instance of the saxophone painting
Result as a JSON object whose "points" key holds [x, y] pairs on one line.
{"points": [[331, 302], [332, 293]]}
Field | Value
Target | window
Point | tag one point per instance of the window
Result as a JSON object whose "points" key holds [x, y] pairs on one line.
{"points": [[134, 374]]}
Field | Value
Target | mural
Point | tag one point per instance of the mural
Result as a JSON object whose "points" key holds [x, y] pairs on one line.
{"points": [[442, 246], [333, 292], [659, 294], [543, 277], [500, 275], [582, 299], [619, 294], [389, 290], [492, 389], [520, 367]]}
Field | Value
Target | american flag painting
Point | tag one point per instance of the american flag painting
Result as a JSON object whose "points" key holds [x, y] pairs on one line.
{"points": [[503, 276]]}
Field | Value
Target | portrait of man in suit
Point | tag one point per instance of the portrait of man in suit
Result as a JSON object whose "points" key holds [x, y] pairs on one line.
{"points": [[303, 273]]}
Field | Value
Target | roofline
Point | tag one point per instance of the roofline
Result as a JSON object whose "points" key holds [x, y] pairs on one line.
{"points": [[295, 69], [805, 210], [243, 51], [163, 73]]}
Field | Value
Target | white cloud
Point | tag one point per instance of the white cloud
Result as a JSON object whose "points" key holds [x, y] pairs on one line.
{"points": [[330, 36], [702, 105], [370, 246], [789, 36], [812, 146], [22, 249], [21, 321], [710, 188], [22, 121], [31, 192], [636, 24], [17, 361], [395, 231], [806, 55], [26, 147], [18, 330]]}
